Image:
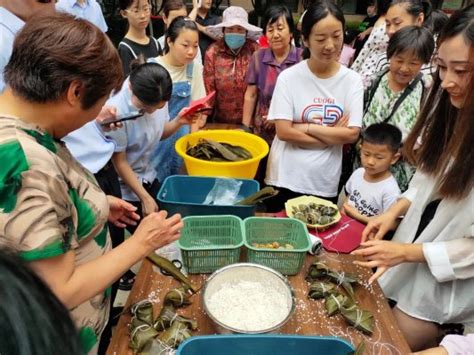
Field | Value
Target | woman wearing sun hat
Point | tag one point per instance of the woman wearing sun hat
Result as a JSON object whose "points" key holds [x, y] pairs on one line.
{"points": [[226, 62]]}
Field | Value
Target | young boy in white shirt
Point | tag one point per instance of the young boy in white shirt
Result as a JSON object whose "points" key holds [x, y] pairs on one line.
{"points": [[372, 189]]}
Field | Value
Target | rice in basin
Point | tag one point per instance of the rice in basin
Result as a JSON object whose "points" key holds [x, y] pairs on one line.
{"points": [[249, 305]]}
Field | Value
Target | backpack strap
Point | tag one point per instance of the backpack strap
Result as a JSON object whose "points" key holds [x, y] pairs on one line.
{"points": [[408, 90], [189, 71], [370, 92], [130, 49]]}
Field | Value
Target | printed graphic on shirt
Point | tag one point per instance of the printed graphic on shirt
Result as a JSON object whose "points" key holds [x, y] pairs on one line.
{"points": [[363, 207], [324, 111]]}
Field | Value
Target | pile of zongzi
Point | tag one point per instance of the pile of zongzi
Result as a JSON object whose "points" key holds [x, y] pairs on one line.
{"points": [[210, 150], [274, 245], [337, 290], [314, 213], [145, 337]]}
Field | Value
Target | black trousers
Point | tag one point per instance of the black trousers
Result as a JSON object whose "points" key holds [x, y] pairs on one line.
{"points": [[108, 181]]}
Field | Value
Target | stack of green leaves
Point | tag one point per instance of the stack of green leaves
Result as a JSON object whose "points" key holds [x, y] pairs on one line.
{"points": [[145, 337], [208, 149], [337, 290]]}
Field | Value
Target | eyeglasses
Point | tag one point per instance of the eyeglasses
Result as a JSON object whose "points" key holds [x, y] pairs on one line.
{"points": [[136, 11], [46, 1]]}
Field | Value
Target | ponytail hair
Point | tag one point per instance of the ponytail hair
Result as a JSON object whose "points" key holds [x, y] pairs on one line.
{"points": [[315, 13], [150, 82], [176, 26]]}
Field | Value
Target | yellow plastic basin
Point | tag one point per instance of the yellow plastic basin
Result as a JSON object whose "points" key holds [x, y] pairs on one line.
{"points": [[241, 169]]}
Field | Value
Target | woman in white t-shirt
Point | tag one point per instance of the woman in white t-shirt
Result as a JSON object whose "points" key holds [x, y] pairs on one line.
{"points": [[317, 107]]}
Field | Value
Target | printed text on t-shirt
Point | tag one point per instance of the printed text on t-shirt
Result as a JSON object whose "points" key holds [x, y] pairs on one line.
{"points": [[324, 111], [363, 207]]}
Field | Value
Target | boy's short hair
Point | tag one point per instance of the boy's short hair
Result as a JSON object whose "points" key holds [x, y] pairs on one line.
{"points": [[417, 40], [383, 134]]}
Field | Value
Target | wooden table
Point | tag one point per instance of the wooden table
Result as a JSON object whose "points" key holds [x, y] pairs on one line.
{"points": [[309, 318]]}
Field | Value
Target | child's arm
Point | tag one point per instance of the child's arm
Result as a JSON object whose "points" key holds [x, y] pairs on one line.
{"points": [[124, 170], [353, 213]]}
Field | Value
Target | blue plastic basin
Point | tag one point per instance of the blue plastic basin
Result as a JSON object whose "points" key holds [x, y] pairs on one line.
{"points": [[264, 345], [185, 195]]}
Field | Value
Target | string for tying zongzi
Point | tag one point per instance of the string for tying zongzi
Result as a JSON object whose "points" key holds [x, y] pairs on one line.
{"points": [[180, 332], [139, 304], [358, 320], [181, 295], [173, 318], [340, 277], [139, 328], [337, 301]]}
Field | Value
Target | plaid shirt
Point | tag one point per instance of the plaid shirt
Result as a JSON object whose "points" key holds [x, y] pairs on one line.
{"points": [[225, 73]]}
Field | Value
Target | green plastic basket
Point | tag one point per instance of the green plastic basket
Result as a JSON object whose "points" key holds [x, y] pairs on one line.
{"points": [[208, 243], [264, 230]]}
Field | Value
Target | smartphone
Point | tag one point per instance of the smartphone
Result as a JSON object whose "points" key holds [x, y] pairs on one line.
{"points": [[125, 117]]}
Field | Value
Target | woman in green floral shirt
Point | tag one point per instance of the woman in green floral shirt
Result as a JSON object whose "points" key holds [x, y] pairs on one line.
{"points": [[52, 211], [396, 96]]}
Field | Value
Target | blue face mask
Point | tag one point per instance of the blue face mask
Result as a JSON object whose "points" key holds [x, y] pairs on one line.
{"points": [[234, 40]]}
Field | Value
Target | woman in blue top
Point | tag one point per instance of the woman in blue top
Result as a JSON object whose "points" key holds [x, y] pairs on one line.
{"points": [[147, 89]]}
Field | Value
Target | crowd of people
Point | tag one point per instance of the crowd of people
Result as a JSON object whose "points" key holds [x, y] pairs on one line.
{"points": [[393, 130]]}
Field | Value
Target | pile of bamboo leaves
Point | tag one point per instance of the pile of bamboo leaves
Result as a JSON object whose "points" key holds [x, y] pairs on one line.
{"points": [[207, 149], [336, 288]]}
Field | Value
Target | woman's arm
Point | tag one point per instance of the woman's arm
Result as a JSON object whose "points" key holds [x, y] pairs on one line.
{"points": [[382, 254], [125, 171], [75, 285], [250, 100], [388, 221], [334, 135], [287, 133]]}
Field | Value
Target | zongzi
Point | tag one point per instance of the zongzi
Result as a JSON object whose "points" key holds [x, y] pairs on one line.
{"points": [[178, 297], [361, 319], [175, 335], [319, 289]]}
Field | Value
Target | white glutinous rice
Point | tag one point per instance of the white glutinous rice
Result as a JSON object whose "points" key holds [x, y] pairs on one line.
{"points": [[248, 305]]}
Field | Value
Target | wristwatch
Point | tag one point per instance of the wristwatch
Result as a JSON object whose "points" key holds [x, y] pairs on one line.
{"points": [[246, 128]]}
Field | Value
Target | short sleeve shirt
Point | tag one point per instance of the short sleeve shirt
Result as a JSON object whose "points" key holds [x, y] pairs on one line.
{"points": [[300, 96], [366, 62], [225, 73], [178, 74], [51, 205], [204, 40], [137, 138], [371, 198], [130, 50], [9, 26], [263, 72], [90, 11]]}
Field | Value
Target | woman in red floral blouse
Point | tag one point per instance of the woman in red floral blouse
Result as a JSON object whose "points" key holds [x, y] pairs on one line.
{"points": [[226, 62]]}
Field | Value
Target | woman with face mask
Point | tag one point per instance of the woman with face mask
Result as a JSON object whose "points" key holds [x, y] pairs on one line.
{"points": [[226, 63]]}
